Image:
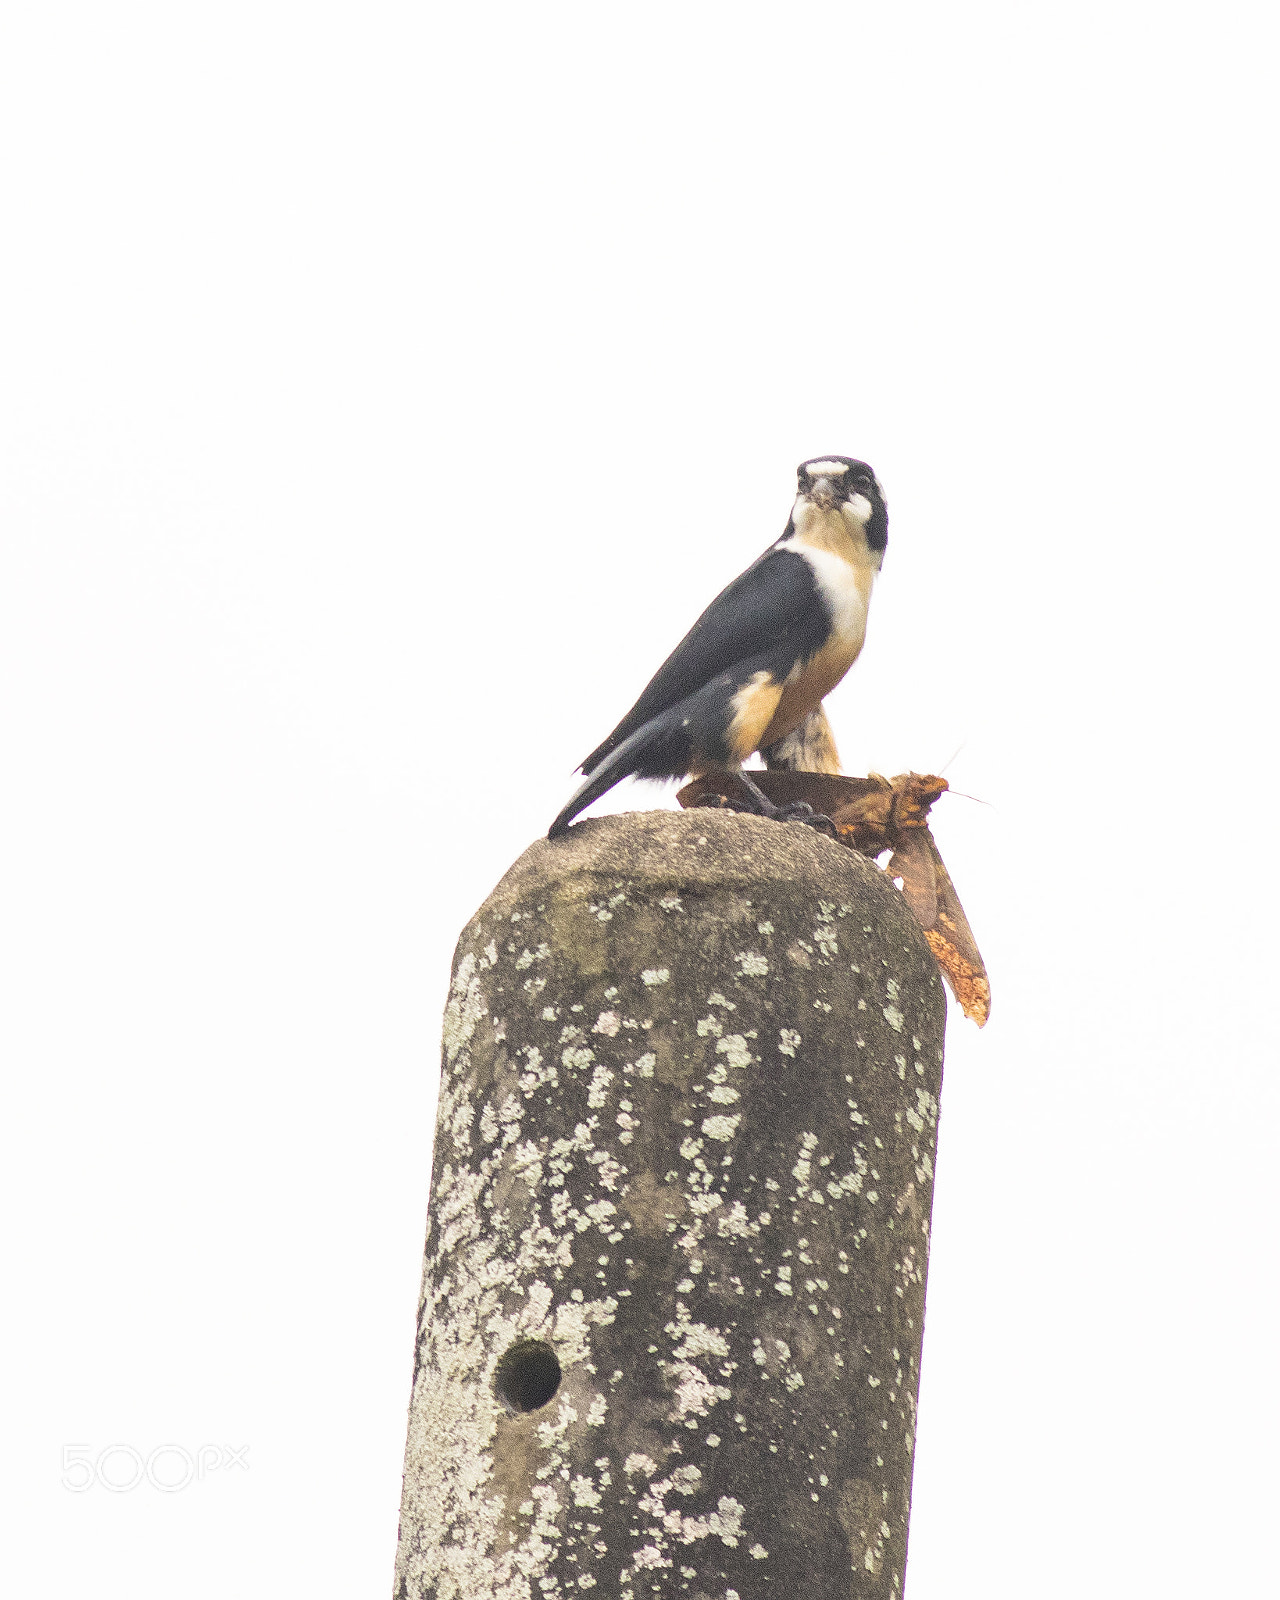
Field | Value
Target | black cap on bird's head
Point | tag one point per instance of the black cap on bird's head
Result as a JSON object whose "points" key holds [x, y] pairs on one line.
{"points": [[840, 481]]}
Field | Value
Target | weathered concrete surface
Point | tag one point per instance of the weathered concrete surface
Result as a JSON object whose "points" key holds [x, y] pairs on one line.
{"points": [[685, 1140]]}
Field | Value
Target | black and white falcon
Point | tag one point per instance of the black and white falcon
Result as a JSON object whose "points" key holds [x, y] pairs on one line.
{"points": [[752, 671]]}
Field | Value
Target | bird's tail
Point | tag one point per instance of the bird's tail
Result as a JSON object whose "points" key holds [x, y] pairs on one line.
{"points": [[660, 749]]}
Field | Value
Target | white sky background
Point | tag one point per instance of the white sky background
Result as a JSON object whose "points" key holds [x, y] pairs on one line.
{"points": [[385, 390]]}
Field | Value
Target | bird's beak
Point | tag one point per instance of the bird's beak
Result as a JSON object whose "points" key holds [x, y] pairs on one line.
{"points": [[823, 493]]}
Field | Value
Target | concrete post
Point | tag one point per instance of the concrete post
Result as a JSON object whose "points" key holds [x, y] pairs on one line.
{"points": [[673, 1293]]}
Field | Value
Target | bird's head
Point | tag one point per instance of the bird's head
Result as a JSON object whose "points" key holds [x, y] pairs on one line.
{"points": [[839, 483]]}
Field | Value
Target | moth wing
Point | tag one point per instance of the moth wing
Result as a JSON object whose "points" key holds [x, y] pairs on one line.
{"points": [[954, 948], [916, 864]]}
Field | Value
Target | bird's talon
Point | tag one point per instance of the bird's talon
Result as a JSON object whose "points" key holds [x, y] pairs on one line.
{"points": [[794, 811], [802, 811]]}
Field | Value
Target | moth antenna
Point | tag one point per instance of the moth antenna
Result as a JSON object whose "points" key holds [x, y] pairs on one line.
{"points": [[964, 796], [942, 771]]}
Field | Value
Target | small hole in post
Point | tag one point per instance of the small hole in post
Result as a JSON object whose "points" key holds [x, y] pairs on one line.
{"points": [[527, 1376]]}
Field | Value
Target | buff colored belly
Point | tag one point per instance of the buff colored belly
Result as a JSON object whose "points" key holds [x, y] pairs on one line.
{"points": [[812, 686]]}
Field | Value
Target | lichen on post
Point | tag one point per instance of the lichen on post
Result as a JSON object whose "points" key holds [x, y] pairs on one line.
{"points": [[673, 1291]]}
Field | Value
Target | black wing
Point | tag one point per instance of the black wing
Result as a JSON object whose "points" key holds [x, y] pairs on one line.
{"points": [[775, 601]]}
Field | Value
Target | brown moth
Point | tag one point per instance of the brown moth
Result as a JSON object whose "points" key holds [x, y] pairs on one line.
{"points": [[872, 815]]}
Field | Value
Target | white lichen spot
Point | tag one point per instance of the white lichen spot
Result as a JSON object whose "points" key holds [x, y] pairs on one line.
{"points": [[607, 1023], [824, 935], [646, 1063], [758, 1551], [572, 1324], [636, 1462], [608, 1171], [599, 1212], [584, 1492], [764, 927], [851, 1183], [726, 1520], [804, 1165], [576, 1057], [596, 1412], [710, 1025], [597, 1094], [723, 1095], [893, 1017], [753, 964], [717, 999], [651, 977], [464, 1010], [721, 1127], [695, 1391], [671, 902], [788, 1041], [735, 1224], [734, 1049]]}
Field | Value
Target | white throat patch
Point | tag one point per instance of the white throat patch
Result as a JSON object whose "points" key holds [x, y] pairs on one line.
{"points": [[858, 508]]}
